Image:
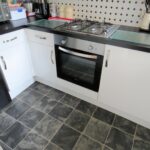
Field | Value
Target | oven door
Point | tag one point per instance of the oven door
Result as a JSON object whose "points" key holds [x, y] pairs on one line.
{"points": [[81, 68]]}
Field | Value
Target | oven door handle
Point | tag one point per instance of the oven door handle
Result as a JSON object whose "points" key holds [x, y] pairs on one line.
{"points": [[77, 54]]}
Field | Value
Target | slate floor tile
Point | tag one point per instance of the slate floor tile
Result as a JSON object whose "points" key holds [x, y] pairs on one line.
{"points": [[106, 148], [141, 145], [4, 146], [51, 146], [66, 138], [86, 107], [70, 100], [13, 135], [61, 112], [31, 97], [32, 142], [48, 127], [125, 125], [104, 115], [55, 94], [45, 104], [31, 117], [143, 133], [5, 122], [97, 129], [85, 143], [118, 140], [17, 109], [39, 87], [78, 120], [24, 93]]}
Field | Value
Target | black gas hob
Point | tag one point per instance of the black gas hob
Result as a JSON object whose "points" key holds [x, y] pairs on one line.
{"points": [[100, 29]]}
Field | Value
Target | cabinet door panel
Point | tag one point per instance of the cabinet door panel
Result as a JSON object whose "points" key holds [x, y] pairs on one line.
{"points": [[18, 68], [125, 82], [43, 61]]}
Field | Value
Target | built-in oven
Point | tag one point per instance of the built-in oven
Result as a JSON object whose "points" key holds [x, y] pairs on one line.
{"points": [[79, 61]]}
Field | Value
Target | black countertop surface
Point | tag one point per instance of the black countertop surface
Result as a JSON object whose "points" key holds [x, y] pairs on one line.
{"points": [[6, 27]]}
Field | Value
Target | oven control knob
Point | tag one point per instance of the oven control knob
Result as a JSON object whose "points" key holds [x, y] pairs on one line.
{"points": [[90, 47], [63, 42]]}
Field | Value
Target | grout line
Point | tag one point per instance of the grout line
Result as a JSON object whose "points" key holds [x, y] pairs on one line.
{"points": [[5, 144], [83, 132], [134, 137], [109, 131]]}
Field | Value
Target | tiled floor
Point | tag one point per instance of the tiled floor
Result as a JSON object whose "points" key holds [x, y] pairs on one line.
{"points": [[42, 118]]}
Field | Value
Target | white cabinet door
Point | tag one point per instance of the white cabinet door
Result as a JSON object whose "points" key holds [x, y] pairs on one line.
{"points": [[125, 83], [43, 59], [16, 67]]}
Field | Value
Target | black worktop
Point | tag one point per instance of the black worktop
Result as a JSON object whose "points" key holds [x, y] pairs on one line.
{"points": [[9, 26]]}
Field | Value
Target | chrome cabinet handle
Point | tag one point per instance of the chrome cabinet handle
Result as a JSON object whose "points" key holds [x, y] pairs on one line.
{"points": [[40, 37], [52, 57], [7, 41], [77, 54], [4, 63], [107, 59]]}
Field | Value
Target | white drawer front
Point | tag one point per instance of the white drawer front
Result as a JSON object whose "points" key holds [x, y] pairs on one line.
{"points": [[40, 37], [11, 39]]}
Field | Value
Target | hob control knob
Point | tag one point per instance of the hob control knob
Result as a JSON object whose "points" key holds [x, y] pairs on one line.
{"points": [[90, 47], [63, 42]]}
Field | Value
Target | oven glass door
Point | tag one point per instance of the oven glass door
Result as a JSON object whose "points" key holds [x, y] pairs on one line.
{"points": [[79, 67]]}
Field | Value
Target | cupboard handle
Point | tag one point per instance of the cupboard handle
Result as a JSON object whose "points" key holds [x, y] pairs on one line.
{"points": [[52, 57], [4, 62], [107, 59], [40, 37]]}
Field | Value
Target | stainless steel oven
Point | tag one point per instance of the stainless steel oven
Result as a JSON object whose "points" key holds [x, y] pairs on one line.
{"points": [[79, 61]]}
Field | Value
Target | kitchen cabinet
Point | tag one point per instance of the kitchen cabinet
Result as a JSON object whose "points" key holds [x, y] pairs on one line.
{"points": [[15, 62], [125, 84], [43, 56]]}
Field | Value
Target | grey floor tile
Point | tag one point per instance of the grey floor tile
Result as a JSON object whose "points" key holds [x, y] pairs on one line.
{"points": [[39, 87], [78, 120], [141, 145], [70, 100], [118, 140], [66, 138], [97, 129], [61, 112], [24, 93], [143, 133], [17, 109], [31, 117], [32, 142], [45, 104], [4, 146], [13, 135], [55, 94], [104, 115], [31, 97], [125, 125], [106, 148], [5, 122], [85, 143], [48, 127], [51, 146], [86, 107]]}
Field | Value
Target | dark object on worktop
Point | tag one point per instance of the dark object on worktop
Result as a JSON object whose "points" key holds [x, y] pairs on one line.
{"points": [[4, 95], [41, 9]]}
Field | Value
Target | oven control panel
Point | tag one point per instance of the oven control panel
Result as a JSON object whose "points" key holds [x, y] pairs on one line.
{"points": [[78, 44]]}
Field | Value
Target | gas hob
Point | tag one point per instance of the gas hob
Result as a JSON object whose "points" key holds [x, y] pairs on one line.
{"points": [[100, 29]]}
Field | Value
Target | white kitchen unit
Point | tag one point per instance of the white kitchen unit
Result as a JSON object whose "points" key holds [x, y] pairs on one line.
{"points": [[43, 56], [125, 84], [15, 62]]}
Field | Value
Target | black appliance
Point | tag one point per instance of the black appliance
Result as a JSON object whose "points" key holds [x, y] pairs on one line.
{"points": [[41, 9], [79, 61], [4, 95]]}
